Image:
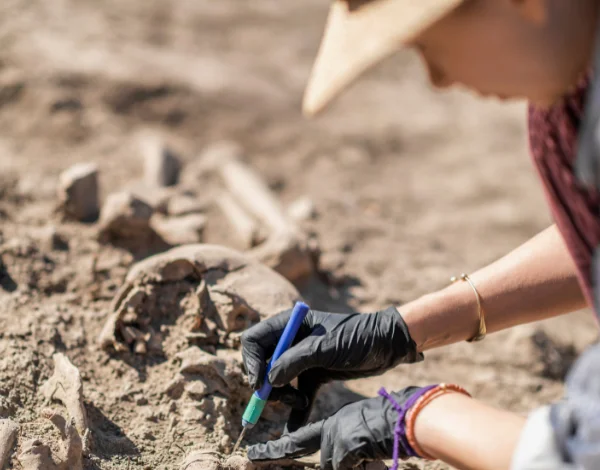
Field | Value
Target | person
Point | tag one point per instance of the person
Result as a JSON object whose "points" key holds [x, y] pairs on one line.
{"points": [[538, 50]]}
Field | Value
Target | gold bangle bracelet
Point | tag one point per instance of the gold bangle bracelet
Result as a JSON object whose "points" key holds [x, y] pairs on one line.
{"points": [[482, 331]]}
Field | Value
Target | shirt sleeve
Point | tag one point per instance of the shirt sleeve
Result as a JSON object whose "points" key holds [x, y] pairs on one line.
{"points": [[537, 448]]}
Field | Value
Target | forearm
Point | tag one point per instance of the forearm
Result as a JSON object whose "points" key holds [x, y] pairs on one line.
{"points": [[468, 434], [534, 282]]}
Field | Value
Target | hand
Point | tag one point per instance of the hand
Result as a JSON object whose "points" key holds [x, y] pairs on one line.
{"points": [[328, 347], [359, 432]]}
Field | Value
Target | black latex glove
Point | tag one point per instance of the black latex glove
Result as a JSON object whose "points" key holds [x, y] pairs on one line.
{"points": [[359, 432], [328, 347]]}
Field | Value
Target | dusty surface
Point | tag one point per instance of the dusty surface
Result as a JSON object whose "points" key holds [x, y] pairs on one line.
{"points": [[409, 187]]}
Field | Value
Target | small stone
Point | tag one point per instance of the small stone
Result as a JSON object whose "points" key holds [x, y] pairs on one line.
{"points": [[78, 192], [225, 443], [302, 209], [182, 230], [141, 401], [140, 347], [161, 165], [123, 212], [175, 387], [50, 239]]}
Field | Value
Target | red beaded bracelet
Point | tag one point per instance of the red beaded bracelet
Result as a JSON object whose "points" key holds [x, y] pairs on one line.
{"points": [[421, 403]]}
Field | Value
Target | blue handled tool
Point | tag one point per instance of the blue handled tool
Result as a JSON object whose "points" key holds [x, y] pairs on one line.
{"points": [[260, 397]]}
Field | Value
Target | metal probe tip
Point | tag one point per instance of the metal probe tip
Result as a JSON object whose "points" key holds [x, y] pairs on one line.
{"points": [[239, 441]]}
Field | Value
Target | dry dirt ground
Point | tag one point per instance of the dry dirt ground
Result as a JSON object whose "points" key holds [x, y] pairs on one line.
{"points": [[410, 187]]}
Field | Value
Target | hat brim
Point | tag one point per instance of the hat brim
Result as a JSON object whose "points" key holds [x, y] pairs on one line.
{"points": [[358, 35]]}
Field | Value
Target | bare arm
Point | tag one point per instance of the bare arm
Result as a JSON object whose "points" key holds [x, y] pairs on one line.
{"points": [[534, 282], [468, 434]]}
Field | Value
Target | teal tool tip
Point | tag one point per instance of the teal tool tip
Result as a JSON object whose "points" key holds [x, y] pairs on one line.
{"points": [[259, 398]]}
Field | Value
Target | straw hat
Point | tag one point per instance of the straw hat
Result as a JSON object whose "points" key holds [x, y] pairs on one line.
{"points": [[360, 33]]}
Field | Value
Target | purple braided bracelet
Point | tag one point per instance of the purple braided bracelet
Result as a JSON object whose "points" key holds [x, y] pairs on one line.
{"points": [[400, 429]]}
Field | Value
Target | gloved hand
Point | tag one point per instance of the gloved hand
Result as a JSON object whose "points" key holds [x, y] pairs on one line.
{"points": [[327, 347], [357, 433]]}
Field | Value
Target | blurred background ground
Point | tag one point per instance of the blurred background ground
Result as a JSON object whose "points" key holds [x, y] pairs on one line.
{"points": [[411, 186]]}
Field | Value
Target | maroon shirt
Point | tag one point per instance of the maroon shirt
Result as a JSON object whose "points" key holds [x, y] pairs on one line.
{"points": [[553, 138]]}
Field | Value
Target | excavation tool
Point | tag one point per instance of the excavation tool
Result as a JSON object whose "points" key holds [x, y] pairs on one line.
{"points": [[260, 397]]}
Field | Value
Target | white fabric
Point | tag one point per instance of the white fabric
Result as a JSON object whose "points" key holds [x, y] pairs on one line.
{"points": [[537, 448]]}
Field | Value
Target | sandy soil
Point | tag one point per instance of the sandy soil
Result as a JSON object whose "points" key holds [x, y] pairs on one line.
{"points": [[410, 187]]}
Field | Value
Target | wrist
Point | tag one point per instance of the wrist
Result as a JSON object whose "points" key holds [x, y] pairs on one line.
{"points": [[405, 408], [444, 317], [402, 343], [419, 407]]}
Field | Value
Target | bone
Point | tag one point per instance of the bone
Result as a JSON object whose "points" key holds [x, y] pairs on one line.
{"points": [[202, 460], [225, 292], [35, 455], [208, 460], [244, 225], [8, 436], [71, 452], [288, 253], [181, 230], [302, 209], [66, 386], [185, 204], [286, 248], [247, 186]]}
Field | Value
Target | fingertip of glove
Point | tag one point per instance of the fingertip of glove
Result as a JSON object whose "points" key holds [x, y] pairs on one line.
{"points": [[254, 452], [274, 378], [262, 452]]}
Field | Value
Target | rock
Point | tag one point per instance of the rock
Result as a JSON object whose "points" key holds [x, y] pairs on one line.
{"points": [[78, 192], [124, 213], [8, 436], [125, 222], [182, 230], [161, 165], [302, 209], [66, 386]]}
